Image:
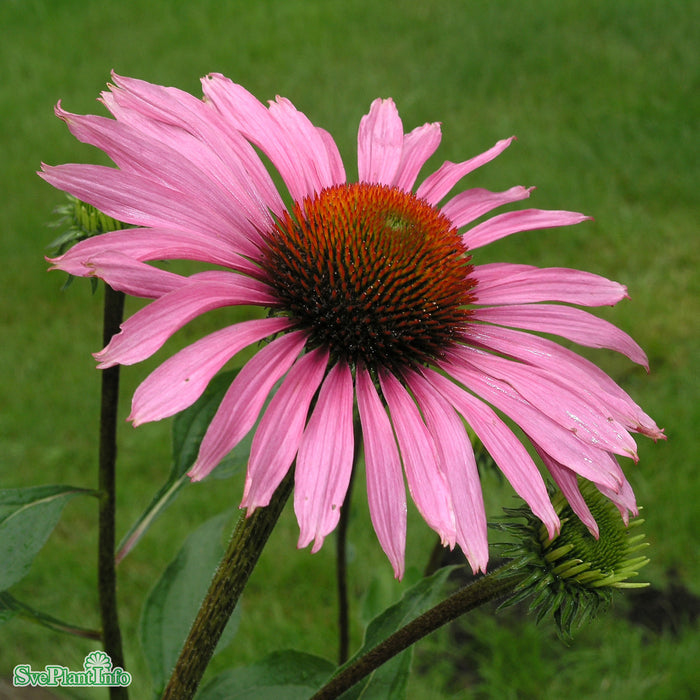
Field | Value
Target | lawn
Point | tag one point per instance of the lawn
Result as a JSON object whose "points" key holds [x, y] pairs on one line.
{"points": [[603, 97]]}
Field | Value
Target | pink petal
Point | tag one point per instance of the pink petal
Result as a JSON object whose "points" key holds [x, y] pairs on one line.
{"points": [[567, 481], [277, 438], [418, 146], [176, 117], [426, 482], [131, 276], [507, 451], [574, 324], [180, 169], [380, 143], [588, 461], [152, 244], [471, 204], [386, 493], [335, 162], [623, 498], [137, 200], [315, 156], [569, 368], [148, 329], [458, 463], [503, 283], [282, 133], [517, 221], [182, 378], [437, 185], [589, 422], [325, 459], [242, 403]]}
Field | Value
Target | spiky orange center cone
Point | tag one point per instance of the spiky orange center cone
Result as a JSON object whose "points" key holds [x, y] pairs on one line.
{"points": [[373, 273]]}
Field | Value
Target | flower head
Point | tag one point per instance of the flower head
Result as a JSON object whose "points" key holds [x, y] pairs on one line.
{"points": [[375, 298]]}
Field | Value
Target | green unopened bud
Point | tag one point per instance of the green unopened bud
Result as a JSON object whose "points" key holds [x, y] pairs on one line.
{"points": [[573, 574], [80, 221]]}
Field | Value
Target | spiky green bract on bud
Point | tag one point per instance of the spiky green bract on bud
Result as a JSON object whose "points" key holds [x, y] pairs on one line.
{"points": [[81, 221], [573, 574]]}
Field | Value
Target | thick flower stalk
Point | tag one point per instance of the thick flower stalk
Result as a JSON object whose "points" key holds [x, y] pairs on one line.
{"points": [[374, 298]]}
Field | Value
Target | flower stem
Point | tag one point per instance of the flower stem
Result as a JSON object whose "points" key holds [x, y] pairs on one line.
{"points": [[485, 589], [342, 563], [244, 549], [106, 577]]}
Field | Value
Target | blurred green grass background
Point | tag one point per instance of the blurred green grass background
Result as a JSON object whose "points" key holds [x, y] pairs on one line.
{"points": [[603, 97]]}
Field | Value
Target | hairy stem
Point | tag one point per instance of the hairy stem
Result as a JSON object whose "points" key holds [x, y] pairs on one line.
{"points": [[487, 588], [106, 577], [244, 549]]}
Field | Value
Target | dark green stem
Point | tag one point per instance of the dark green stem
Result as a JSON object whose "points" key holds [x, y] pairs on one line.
{"points": [[490, 587], [244, 549], [107, 588], [341, 561]]}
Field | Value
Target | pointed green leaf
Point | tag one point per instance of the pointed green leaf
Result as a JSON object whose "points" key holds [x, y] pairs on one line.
{"points": [[27, 518], [283, 675], [11, 607], [173, 603]]}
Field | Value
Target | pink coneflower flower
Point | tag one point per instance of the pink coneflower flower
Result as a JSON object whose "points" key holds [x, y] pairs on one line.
{"points": [[375, 298]]}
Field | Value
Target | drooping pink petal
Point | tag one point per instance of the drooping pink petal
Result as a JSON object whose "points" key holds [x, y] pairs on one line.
{"points": [[459, 466], [242, 403], [471, 204], [507, 451], [426, 481], [386, 493], [278, 435], [574, 324], [568, 368], [131, 276], [324, 462], [418, 146], [380, 143], [439, 183], [567, 481], [152, 244], [182, 378], [570, 409], [504, 283], [511, 222], [586, 460], [147, 330], [623, 498]]}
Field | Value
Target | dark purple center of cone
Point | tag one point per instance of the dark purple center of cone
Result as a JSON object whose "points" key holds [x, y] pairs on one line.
{"points": [[373, 273]]}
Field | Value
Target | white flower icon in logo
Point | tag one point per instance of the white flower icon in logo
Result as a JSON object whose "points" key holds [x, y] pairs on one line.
{"points": [[97, 659]]}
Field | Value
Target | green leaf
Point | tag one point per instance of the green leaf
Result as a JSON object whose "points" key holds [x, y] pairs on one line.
{"points": [[173, 603], [389, 681], [27, 518], [283, 675], [189, 428], [11, 607]]}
